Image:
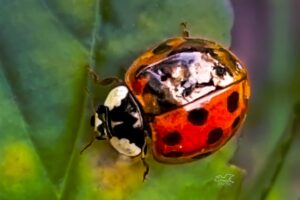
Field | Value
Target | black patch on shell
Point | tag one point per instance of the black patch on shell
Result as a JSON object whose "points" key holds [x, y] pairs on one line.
{"points": [[214, 136], [141, 68], [198, 116], [181, 50], [202, 155], [220, 71], [233, 102], [210, 52], [172, 138], [140, 71], [236, 122], [210, 83], [173, 154], [124, 116], [187, 91], [165, 106], [165, 77], [154, 87], [162, 48], [92, 122]]}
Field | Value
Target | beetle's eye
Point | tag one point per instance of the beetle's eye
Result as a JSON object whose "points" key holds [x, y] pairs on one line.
{"points": [[220, 71]]}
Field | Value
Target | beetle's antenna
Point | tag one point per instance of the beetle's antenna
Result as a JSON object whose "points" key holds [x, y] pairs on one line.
{"points": [[96, 78], [184, 30], [92, 103]]}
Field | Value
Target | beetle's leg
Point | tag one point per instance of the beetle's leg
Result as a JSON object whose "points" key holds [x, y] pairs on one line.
{"points": [[89, 144], [98, 132], [100, 116], [146, 172], [107, 81], [144, 152], [93, 137], [184, 30], [99, 122]]}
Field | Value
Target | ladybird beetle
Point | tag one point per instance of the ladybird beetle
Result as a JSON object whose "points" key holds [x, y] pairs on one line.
{"points": [[188, 95]]}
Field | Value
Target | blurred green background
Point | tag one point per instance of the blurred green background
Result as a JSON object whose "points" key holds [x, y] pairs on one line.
{"points": [[45, 47], [265, 36]]}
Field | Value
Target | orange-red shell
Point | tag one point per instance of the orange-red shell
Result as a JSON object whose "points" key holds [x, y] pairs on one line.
{"points": [[199, 127]]}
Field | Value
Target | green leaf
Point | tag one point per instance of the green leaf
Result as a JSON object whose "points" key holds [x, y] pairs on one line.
{"points": [[44, 66], [21, 172], [45, 49]]}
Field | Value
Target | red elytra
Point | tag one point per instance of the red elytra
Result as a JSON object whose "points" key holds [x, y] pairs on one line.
{"points": [[214, 126], [189, 128]]}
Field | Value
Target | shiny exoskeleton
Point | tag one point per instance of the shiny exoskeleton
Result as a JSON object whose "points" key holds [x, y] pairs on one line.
{"points": [[188, 95]]}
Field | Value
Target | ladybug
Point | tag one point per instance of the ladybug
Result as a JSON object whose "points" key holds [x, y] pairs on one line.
{"points": [[188, 95]]}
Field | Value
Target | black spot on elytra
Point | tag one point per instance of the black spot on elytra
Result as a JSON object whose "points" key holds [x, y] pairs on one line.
{"points": [[235, 122], [233, 102], [172, 138], [202, 155], [198, 116], [174, 154], [162, 48], [214, 135]]}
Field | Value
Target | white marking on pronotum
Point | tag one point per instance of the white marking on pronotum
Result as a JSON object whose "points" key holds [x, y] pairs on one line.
{"points": [[115, 97], [97, 122], [124, 147], [115, 123], [138, 122]]}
